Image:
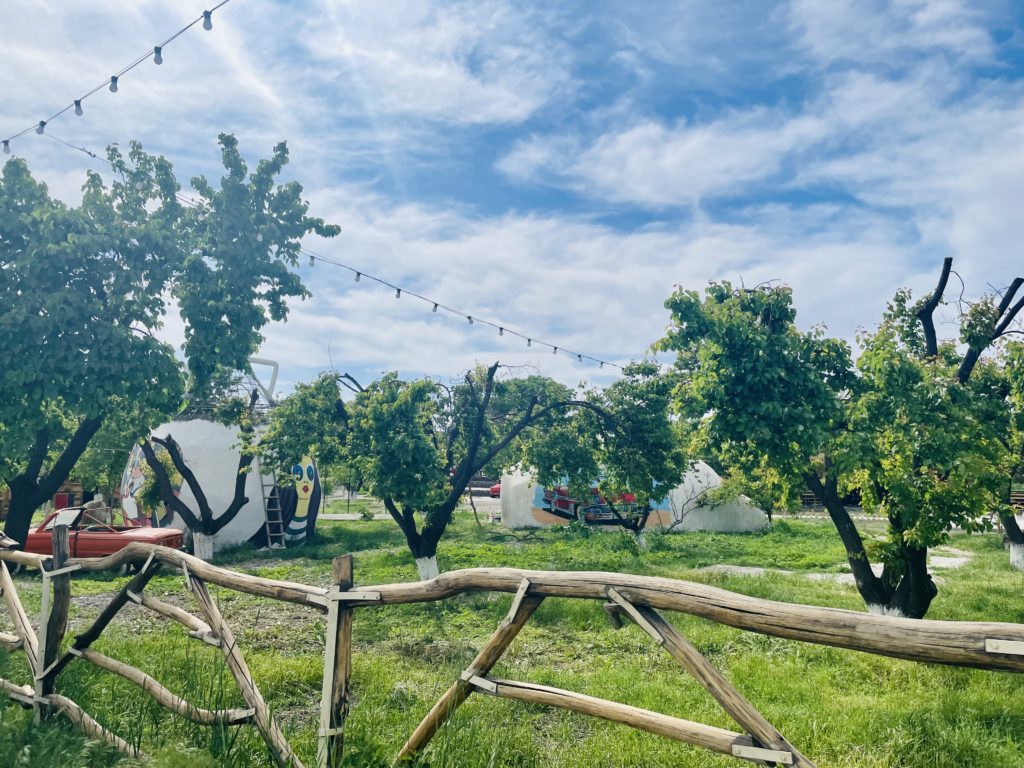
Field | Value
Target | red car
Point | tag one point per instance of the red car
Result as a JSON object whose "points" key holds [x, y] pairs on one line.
{"points": [[90, 535], [496, 490]]}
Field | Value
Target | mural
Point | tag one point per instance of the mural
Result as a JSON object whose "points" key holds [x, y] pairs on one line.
{"points": [[211, 451], [307, 501]]}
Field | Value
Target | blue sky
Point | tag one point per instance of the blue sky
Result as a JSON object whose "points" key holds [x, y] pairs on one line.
{"points": [[559, 167]]}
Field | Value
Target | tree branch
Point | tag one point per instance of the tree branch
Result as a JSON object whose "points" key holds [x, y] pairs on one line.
{"points": [[172, 448], [1004, 318], [37, 454], [926, 313], [166, 489]]}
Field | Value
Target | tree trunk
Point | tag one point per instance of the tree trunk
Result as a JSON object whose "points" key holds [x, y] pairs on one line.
{"points": [[202, 545], [19, 514], [29, 491], [1016, 538], [916, 589], [873, 589]]}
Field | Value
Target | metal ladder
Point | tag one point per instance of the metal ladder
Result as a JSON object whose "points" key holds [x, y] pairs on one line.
{"points": [[272, 512]]}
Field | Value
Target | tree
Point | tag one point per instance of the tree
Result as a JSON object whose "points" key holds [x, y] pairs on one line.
{"points": [[85, 291], [1014, 379], [908, 427], [82, 294], [417, 444]]}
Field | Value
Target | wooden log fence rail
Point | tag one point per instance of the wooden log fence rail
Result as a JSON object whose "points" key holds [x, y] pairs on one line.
{"points": [[983, 645]]}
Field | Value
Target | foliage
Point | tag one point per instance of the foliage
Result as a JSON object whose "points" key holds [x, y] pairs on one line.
{"points": [[242, 238], [917, 428], [85, 290], [416, 444], [150, 495]]}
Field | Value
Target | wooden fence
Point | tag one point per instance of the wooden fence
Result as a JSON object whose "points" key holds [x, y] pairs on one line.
{"points": [[984, 645]]}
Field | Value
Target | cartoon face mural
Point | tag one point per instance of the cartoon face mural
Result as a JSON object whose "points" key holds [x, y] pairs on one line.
{"points": [[307, 500]]}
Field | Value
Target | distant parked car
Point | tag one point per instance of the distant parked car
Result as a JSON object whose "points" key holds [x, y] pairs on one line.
{"points": [[496, 490], [90, 535]]}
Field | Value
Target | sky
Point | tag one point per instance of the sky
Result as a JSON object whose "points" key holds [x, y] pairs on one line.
{"points": [[560, 168]]}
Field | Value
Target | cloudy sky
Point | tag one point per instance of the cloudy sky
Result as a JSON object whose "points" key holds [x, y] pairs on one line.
{"points": [[558, 168]]}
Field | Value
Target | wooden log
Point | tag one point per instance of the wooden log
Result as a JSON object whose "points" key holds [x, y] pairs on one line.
{"points": [[23, 694], [715, 683], [90, 727], [166, 698], [935, 642], [957, 643], [87, 638], [522, 610], [28, 559], [10, 642], [334, 697], [198, 628], [288, 591], [280, 750], [22, 626], [56, 622], [698, 734]]}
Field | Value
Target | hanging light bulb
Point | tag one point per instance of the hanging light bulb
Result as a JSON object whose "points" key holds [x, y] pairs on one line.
{"points": [[7, 147], [358, 275], [501, 331], [434, 310], [398, 293], [470, 318], [529, 342], [601, 365], [78, 107], [554, 350], [113, 83], [158, 55], [41, 127], [207, 20], [579, 358]]}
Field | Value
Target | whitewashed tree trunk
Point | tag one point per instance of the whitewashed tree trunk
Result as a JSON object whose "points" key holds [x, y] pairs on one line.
{"points": [[1017, 556], [427, 567], [202, 546]]}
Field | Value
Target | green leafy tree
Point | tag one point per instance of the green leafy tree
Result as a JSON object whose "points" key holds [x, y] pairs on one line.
{"points": [[909, 426], [82, 292], [1014, 381], [85, 291], [417, 444]]}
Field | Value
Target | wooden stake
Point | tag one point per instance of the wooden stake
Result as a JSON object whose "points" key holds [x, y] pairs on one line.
{"points": [[715, 683], [22, 626], [334, 701], [278, 746], [87, 638], [522, 609], [55, 624]]}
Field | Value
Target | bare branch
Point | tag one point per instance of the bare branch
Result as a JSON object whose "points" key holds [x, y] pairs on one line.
{"points": [[926, 313]]}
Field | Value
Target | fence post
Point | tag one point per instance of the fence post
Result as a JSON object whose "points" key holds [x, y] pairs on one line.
{"points": [[337, 669], [53, 616]]}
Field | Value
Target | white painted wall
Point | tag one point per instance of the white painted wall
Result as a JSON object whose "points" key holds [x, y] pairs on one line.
{"points": [[211, 452], [521, 499]]}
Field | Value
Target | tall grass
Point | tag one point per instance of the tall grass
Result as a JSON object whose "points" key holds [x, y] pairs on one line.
{"points": [[841, 708]]}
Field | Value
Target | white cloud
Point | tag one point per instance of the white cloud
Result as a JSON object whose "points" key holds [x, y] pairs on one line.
{"points": [[461, 63]]}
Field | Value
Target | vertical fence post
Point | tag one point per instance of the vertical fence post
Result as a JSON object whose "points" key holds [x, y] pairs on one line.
{"points": [[337, 669], [53, 615]]}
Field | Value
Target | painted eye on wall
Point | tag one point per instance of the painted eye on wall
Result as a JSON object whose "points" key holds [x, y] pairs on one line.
{"points": [[309, 472], [297, 471]]}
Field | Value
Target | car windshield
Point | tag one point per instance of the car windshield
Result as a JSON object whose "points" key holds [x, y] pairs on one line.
{"points": [[64, 517]]}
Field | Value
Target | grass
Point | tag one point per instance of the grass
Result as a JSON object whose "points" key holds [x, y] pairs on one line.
{"points": [[841, 708]]}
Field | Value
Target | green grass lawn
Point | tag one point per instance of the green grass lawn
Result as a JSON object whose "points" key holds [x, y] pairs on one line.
{"points": [[840, 708]]}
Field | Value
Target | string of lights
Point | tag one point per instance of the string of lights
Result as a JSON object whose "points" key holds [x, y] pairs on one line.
{"points": [[206, 17], [436, 306]]}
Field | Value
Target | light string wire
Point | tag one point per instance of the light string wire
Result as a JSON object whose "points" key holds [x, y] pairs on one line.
{"points": [[156, 52], [399, 290]]}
